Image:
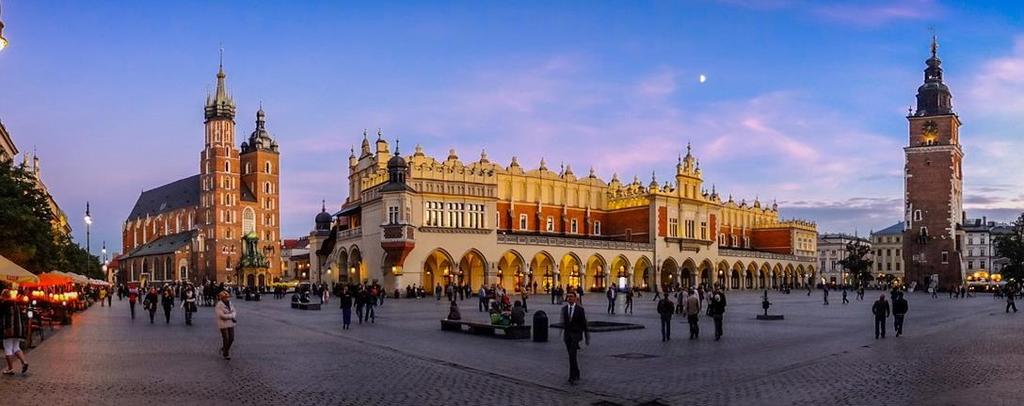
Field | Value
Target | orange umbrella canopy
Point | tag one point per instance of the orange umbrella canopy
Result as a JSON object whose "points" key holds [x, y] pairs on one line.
{"points": [[52, 279]]}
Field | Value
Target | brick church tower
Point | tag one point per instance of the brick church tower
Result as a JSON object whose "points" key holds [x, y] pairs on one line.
{"points": [[933, 184], [219, 183]]}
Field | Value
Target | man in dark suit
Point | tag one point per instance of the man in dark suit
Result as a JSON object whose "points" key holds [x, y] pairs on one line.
{"points": [[574, 320]]}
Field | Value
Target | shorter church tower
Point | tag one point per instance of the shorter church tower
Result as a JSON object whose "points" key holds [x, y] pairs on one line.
{"points": [[260, 161]]}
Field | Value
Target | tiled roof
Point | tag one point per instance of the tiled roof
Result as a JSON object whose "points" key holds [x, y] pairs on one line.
{"points": [[895, 229], [174, 195], [163, 245]]}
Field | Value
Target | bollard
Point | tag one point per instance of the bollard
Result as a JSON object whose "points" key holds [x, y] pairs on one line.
{"points": [[540, 327]]}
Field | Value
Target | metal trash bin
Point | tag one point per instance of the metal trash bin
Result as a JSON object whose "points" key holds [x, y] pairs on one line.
{"points": [[540, 327]]}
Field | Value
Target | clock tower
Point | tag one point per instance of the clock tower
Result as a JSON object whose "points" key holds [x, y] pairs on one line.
{"points": [[933, 184]]}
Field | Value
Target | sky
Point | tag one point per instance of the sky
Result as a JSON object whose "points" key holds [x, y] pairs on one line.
{"points": [[805, 102]]}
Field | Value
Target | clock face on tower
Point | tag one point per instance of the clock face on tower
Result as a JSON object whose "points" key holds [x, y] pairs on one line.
{"points": [[930, 129]]}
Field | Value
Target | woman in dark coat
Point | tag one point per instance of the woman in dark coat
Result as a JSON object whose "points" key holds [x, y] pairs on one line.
{"points": [[12, 330], [149, 303], [346, 307], [168, 302]]}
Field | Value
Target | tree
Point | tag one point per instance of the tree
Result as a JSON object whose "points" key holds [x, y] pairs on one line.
{"points": [[1011, 247], [857, 262], [26, 234]]}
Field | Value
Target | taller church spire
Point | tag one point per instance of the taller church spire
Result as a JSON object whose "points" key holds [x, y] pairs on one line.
{"points": [[933, 97], [220, 104]]}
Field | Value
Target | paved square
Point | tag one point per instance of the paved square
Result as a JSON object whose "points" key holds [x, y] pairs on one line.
{"points": [[954, 352]]}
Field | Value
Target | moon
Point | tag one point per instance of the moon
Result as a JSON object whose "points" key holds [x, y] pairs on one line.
{"points": [[702, 78]]}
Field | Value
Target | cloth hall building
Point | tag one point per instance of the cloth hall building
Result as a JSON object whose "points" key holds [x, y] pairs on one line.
{"points": [[417, 220], [219, 225]]}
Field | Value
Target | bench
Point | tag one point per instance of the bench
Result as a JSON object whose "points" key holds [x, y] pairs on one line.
{"points": [[305, 306], [486, 329]]}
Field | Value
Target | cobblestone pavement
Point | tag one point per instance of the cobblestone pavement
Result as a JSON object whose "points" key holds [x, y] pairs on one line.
{"points": [[954, 352]]}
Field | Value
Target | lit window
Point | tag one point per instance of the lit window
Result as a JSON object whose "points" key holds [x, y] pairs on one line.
{"points": [[549, 225]]}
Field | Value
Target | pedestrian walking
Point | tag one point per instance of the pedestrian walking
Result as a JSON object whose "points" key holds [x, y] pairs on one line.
{"points": [[150, 303], [845, 300], [574, 320], [188, 304], [523, 295], [346, 308], [716, 306], [665, 309], [629, 301], [1010, 303], [611, 294], [826, 295], [693, 314], [881, 311], [133, 296], [482, 298], [13, 329], [168, 302], [899, 311], [371, 302], [226, 321]]}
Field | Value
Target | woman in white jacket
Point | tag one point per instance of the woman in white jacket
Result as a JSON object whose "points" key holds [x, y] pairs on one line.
{"points": [[225, 322]]}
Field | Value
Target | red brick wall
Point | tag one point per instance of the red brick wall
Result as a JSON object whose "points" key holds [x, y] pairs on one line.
{"points": [[775, 240], [662, 221], [713, 226]]}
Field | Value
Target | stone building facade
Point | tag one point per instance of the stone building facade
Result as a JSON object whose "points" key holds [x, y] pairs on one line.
{"points": [[831, 250], [887, 245], [933, 184], [418, 220], [194, 228]]}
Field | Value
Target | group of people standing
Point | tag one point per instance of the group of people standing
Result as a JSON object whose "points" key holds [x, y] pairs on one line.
{"points": [[365, 297], [690, 304], [164, 298]]}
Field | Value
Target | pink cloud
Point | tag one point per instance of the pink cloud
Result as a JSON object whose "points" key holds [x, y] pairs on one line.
{"points": [[880, 12]]}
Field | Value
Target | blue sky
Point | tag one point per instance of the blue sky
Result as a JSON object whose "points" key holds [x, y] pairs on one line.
{"points": [[804, 102]]}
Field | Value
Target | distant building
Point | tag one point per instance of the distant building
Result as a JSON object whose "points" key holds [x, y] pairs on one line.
{"points": [[831, 250], [7, 148], [982, 258], [295, 259], [887, 245]]}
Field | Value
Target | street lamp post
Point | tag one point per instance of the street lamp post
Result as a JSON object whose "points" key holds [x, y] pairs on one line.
{"points": [[88, 223]]}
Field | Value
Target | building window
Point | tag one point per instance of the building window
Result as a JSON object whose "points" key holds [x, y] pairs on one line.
{"points": [[970, 264], [549, 224], [673, 227], [917, 215], [945, 257], [266, 168], [597, 228], [393, 215], [522, 221], [897, 266], [690, 228], [574, 227], [981, 264], [248, 220], [227, 166]]}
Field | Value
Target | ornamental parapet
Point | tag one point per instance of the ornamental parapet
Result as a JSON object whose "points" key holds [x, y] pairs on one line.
{"points": [[728, 252], [453, 230], [350, 233], [559, 241]]}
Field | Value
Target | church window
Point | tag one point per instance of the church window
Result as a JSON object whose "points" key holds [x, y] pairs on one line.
{"points": [[522, 221], [266, 167], [248, 168], [227, 166], [574, 226], [917, 215], [597, 228], [549, 224]]}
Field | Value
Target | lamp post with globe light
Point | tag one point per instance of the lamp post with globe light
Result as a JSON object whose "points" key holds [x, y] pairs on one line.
{"points": [[88, 223]]}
